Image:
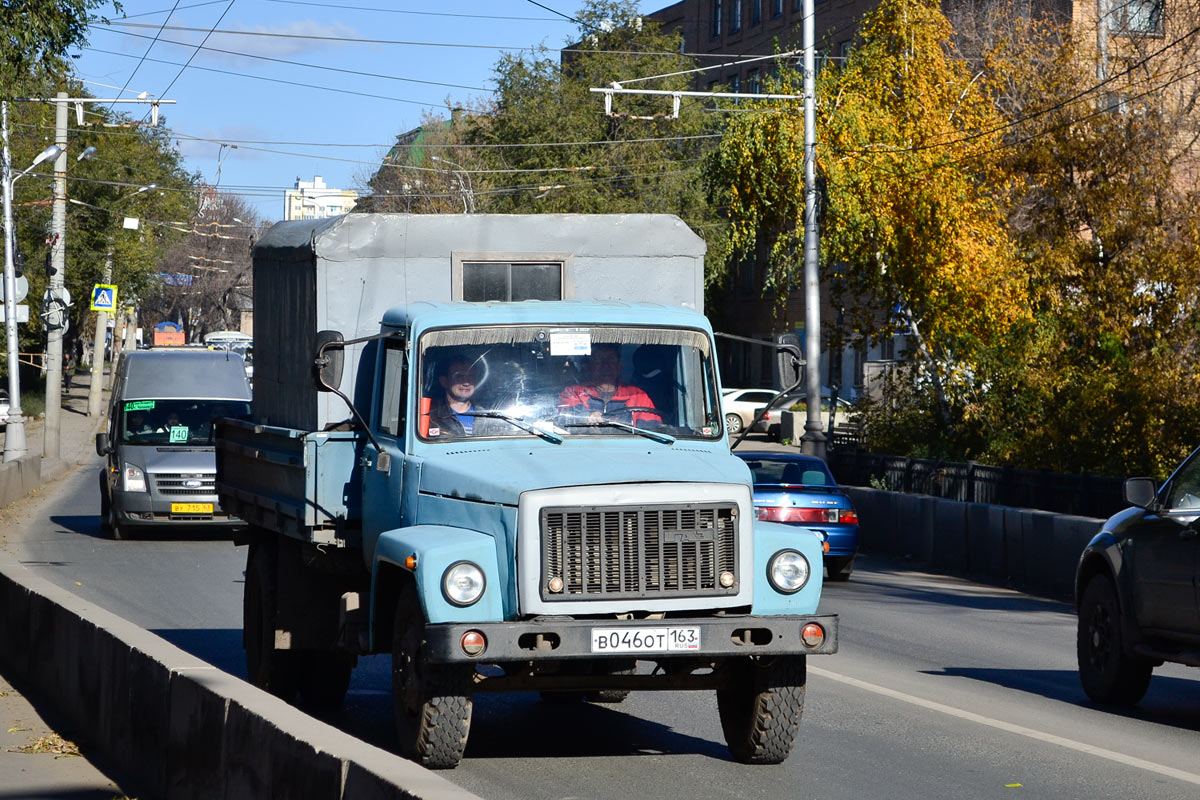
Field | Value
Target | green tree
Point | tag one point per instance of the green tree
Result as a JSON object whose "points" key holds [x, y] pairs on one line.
{"points": [[35, 36]]}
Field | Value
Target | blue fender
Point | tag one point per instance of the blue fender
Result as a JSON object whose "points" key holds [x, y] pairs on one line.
{"points": [[769, 539], [436, 547]]}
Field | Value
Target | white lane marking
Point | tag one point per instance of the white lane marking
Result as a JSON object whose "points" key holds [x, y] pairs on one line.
{"points": [[1041, 736]]}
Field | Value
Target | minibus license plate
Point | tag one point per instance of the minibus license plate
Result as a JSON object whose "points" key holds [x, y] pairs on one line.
{"points": [[191, 508]]}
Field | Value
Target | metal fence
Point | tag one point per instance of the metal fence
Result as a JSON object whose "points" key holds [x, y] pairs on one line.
{"points": [[1082, 495]]}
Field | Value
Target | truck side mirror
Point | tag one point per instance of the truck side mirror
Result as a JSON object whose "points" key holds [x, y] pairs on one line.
{"points": [[789, 359], [102, 446], [1141, 492], [328, 361]]}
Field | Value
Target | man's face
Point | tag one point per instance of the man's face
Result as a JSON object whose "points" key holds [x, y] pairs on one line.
{"points": [[459, 381], [605, 365]]}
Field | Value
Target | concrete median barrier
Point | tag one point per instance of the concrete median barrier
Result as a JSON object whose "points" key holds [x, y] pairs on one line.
{"points": [[1034, 550], [176, 726]]}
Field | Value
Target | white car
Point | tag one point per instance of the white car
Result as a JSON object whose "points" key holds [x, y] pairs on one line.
{"points": [[739, 404], [3, 408]]}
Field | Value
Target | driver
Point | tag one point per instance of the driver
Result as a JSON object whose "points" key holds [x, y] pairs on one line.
{"points": [[603, 396], [452, 411]]}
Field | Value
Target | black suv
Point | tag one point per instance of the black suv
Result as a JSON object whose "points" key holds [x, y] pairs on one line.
{"points": [[1137, 588]]}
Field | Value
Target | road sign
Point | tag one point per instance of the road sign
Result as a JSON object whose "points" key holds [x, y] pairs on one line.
{"points": [[104, 297], [22, 288], [22, 313]]}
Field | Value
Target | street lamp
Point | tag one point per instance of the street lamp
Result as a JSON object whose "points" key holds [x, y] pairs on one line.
{"points": [[14, 435], [467, 189]]}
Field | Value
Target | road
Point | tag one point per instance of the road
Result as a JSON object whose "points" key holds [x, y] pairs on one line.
{"points": [[942, 688]]}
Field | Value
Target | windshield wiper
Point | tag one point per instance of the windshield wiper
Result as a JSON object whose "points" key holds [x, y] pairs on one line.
{"points": [[549, 436], [665, 438]]}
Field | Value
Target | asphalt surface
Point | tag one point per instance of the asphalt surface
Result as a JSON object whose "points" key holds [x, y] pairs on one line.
{"points": [[942, 688], [37, 758]]}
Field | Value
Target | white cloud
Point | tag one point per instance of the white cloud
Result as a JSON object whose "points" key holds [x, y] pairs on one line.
{"points": [[279, 45]]}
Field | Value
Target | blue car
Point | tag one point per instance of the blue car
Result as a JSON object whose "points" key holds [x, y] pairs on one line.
{"points": [[800, 490]]}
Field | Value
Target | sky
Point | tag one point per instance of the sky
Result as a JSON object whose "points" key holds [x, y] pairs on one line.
{"points": [[281, 90]]}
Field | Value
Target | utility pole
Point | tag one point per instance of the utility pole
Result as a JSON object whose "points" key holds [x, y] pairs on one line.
{"points": [[56, 300], [813, 441]]}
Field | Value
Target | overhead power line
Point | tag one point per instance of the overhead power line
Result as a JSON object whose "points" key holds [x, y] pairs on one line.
{"points": [[341, 7], [114, 24], [282, 81], [324, 67]]}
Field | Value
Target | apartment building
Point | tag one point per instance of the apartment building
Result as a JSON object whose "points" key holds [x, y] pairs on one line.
{"points": [[314, 200]]}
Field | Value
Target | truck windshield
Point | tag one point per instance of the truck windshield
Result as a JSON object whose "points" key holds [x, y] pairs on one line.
{"points": [[175, 422], [566, 382]]}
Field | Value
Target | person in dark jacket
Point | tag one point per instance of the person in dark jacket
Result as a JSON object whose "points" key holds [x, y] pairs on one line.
{"points": [[450, 414]]}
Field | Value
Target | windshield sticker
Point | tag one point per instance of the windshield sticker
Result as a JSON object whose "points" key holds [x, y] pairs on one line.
{"points": [[179, 433], [139, 405], [570, 344]]}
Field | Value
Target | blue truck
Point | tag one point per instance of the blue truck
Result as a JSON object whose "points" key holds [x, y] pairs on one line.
{"points": [[493, 447]]}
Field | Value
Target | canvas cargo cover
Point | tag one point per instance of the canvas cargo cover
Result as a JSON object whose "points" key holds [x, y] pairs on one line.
{"points": [[184, 373], [343, 273]]}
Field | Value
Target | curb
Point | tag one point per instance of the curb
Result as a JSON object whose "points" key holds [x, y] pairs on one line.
{"points": [[177, 726]]}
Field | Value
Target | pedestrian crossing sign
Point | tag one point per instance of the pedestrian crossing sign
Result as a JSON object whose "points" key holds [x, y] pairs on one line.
{"points": [[104, 297]]}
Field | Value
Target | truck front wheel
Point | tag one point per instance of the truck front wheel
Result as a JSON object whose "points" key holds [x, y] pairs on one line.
{"points": [[1108, 674], [267, 668], [760, 704], [432, 703]]}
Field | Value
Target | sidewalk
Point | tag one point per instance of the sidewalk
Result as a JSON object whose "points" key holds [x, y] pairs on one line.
{"points": [[35, 761]]}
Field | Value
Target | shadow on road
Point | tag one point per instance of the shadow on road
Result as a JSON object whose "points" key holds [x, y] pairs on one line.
{"points": [[521, 725], [1169, 701], [89, 525]]}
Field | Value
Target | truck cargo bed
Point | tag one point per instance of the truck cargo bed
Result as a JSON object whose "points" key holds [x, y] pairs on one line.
{"points": [[303, 484]]}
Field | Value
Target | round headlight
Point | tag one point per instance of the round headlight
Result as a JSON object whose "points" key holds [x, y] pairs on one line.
{"points": [[463, 583], [788, 571]]}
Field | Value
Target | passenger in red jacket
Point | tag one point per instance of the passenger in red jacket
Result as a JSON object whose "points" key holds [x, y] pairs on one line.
{"points": [[604, 397]]}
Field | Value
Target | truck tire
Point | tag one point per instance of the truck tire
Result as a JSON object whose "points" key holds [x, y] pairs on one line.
{"points": [[266, 667], [839, 567], [324, 678], [760, 704], [1109, 675], [432, 703]]}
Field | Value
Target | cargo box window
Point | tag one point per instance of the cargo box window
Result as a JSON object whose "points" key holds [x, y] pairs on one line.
{"points": [[483, 281], [510, 277]]}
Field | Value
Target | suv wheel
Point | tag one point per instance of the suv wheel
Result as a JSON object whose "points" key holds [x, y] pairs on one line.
{"points": [[1109, 675]]}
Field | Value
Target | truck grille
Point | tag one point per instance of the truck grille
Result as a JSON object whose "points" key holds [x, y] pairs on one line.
{"points": [[639, 551], [177, 484]]}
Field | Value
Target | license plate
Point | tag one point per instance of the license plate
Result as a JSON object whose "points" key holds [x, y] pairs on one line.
{"points": [[645, 640], [191, 508]]}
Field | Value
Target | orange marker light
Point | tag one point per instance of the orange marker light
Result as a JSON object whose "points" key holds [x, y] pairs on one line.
{"points": [[411, 562], [813, 635]]}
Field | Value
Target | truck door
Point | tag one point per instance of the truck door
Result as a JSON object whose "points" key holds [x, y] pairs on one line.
{"points": [[382, 496]]}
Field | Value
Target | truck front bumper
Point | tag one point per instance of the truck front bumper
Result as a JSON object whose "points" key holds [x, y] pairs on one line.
{"points": [[560, 638]]}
